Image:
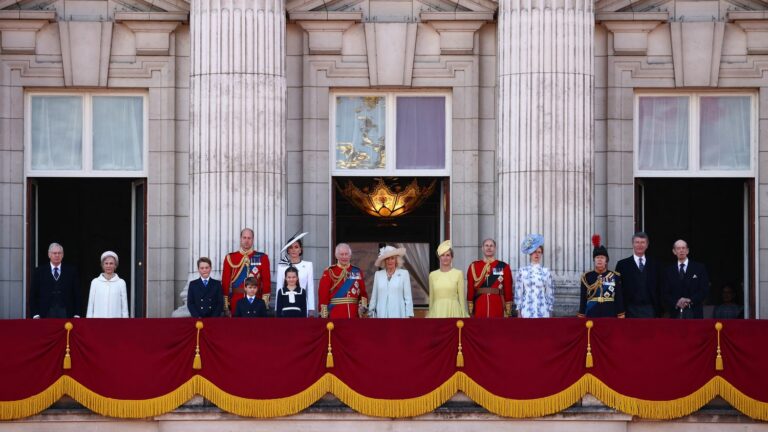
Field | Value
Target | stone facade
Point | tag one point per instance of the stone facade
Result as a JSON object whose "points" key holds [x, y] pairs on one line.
{"points": [[497, 63]]}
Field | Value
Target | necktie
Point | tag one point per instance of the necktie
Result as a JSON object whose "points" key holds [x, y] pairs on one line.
{"points": [[205, 282], [250, 300], [56, 273], [682, 271], [642, 264]]}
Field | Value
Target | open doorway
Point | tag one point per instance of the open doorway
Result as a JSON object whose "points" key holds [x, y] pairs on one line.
{"points": [[419, 231], [88, 217], [715, 217]]}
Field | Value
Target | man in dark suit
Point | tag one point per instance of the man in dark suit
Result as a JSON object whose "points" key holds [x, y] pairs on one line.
{"points": [[686, 285], [640, 280], [55, 288], [204, 298]]}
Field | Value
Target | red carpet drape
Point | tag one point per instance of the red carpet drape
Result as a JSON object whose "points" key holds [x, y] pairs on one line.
{"points": [[137, 368]]}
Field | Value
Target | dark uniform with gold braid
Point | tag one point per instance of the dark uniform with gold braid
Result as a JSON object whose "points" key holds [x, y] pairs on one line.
{"points": [[601, 293]]}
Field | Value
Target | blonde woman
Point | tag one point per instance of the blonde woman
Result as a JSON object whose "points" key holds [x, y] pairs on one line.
{"points": [[447, 298]]}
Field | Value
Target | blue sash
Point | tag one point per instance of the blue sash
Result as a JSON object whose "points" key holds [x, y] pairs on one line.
{"points": [[245, 271], [344, 288]]}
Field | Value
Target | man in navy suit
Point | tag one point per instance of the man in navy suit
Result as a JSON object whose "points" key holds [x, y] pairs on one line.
{"points": [[55, 288], [204, 298], [640, 280], [686, 285]]}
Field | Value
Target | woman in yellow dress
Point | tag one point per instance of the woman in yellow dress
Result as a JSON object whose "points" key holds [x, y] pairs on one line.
{"points": [[447, 298]]}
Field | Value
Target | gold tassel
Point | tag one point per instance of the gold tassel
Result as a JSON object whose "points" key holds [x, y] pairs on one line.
{"points": [[460, 355], [197, 364], [329, 356], [589, 363], [719, 358], [67, 359]]}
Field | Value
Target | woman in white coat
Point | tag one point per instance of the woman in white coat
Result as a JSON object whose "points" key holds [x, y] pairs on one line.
{"points": [[391, 297], [108, 297], [293, 256]]}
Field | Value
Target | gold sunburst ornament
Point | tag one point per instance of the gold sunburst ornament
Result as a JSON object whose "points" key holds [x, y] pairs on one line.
{"points": [[384, 201]]}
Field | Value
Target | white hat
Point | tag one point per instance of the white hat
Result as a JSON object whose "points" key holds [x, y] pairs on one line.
{"points": [[293, 240], [387, 252], [110, 254]]}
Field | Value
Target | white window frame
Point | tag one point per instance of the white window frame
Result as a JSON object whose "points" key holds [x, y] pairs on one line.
{"points": [[390, 134], [87, 143], [694, 104]]}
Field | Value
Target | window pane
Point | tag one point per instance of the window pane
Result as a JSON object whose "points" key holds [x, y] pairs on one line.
{"points": [[663, 133], [57, 132], [118, 133], [360, 130], [725, 132], [420, 133]]}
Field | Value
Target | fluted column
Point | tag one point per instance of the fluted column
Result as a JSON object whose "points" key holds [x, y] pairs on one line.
{"points": [[237, 131], [545, 133]]}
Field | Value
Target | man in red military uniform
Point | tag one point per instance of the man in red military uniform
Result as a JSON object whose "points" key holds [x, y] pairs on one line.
{"points": [[342, 288], [241, 264], [489, 285]]}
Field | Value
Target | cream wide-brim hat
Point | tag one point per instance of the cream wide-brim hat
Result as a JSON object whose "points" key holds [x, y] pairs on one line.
{"points": [[387, 252]]}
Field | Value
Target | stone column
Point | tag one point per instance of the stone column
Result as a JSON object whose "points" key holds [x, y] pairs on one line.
{"points": [[237, 127], [545, 133]]}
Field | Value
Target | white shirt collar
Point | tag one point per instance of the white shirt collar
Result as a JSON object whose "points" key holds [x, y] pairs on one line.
{"points": [[637, 259], [54, 266], [684, 263]]}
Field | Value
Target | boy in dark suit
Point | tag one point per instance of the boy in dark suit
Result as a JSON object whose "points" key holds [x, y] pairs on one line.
{"points": [[204, 298], [251, 306]]}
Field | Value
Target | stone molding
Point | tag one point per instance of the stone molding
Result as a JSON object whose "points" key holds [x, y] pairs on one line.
{"points": [[631, 37], [18, 30], [756, 29], [696, 52], [152, 37], [390, 49], [85, 51], [456, 36], [325, 37]]}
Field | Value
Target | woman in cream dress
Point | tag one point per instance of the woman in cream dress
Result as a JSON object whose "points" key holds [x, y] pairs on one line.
{"points": [[391, 297], [447, 297], [108, 298]]}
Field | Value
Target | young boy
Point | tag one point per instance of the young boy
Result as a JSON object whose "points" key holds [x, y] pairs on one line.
{"points": [[204, 294], [251, 306]]}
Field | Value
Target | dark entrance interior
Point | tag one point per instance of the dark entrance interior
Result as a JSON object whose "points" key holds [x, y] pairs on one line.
{"points": [[710, 215], [87, 217], [422, 225], [419, 232]]}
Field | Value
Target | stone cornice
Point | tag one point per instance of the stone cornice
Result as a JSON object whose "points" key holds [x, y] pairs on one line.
{"points": [[630, 30]]}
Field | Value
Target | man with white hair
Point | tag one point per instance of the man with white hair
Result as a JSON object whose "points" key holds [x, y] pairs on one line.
{"points": [[55, 288], [342, 288]]}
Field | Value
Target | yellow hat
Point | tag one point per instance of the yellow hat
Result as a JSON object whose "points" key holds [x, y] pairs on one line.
{"points": [[443, 247]]}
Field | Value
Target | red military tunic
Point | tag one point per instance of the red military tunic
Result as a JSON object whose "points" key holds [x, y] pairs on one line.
{"points": [[341, 291], [240, 265], [489, 289]]}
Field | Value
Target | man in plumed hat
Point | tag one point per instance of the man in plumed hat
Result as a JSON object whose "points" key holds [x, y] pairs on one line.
{"points": [[601, 294]]}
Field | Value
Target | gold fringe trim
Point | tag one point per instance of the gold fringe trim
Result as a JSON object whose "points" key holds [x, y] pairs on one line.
{"points": [[743, 403], [265, 408], [521, 408], [657, 410], [12, 410], [392, 408], [395, 408]]}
